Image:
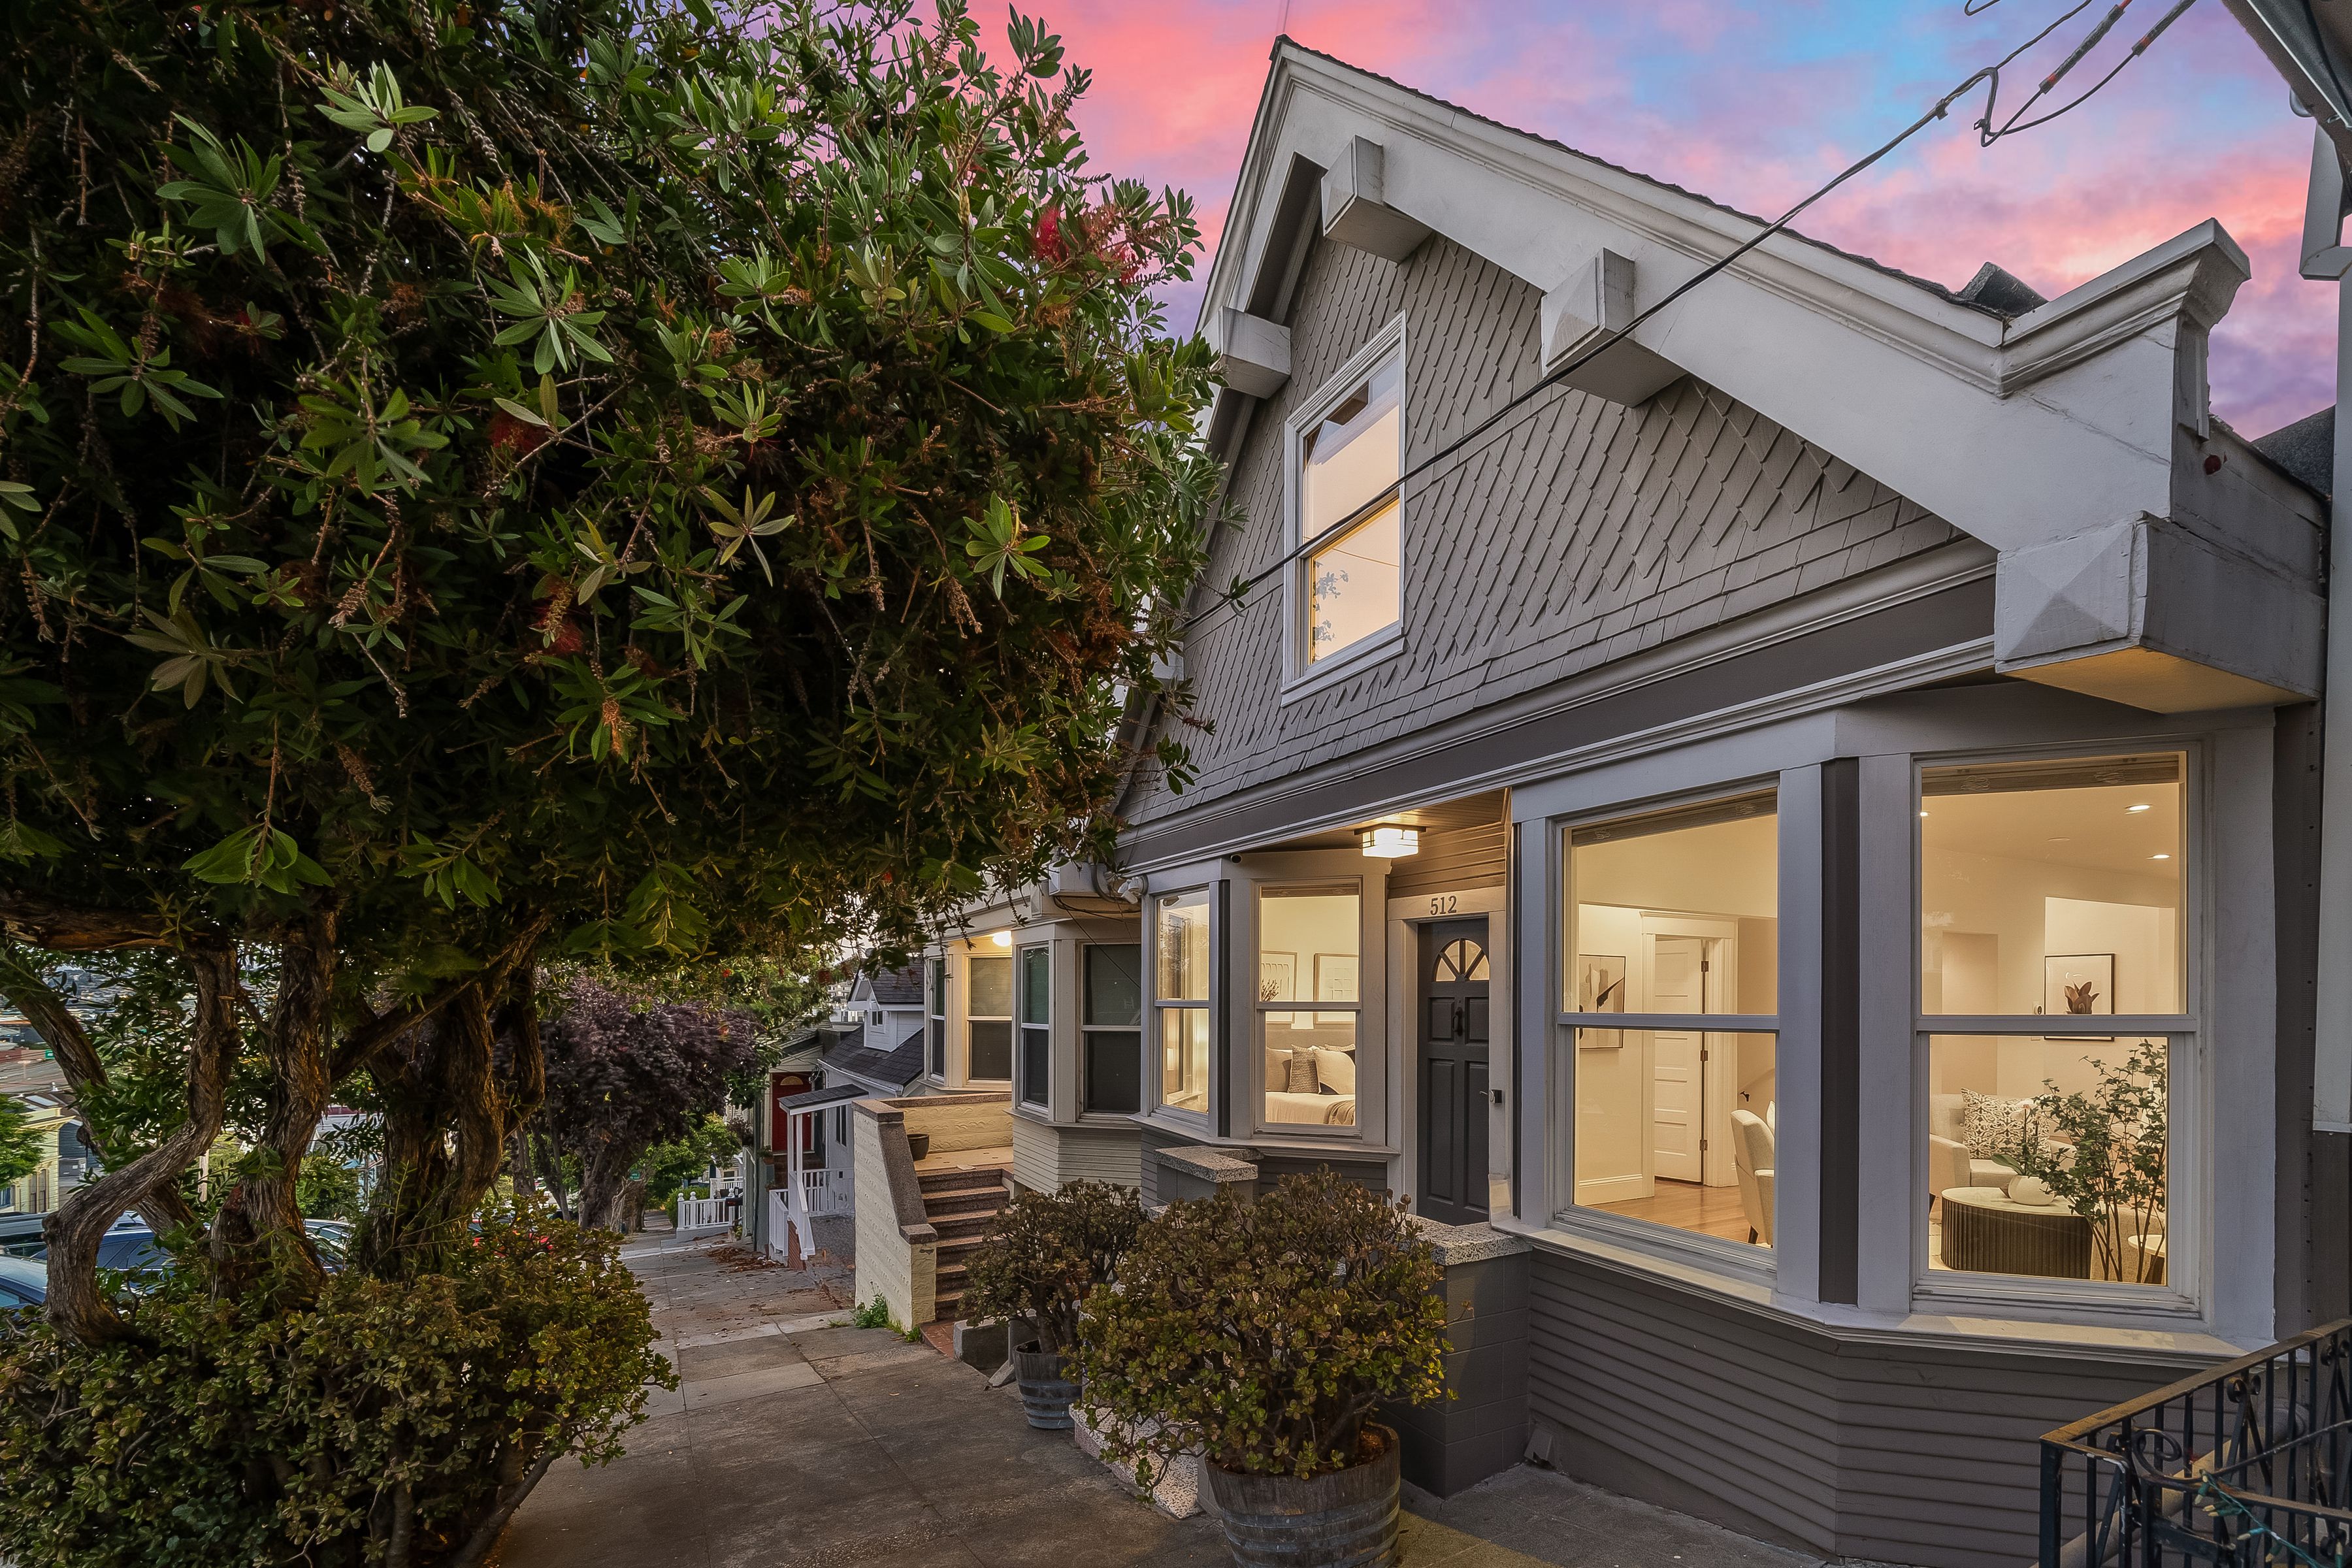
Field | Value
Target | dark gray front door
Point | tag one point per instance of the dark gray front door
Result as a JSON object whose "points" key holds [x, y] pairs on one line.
{"points": [[1453, 1040]]}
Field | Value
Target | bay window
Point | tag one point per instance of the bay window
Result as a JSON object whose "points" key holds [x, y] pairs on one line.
{"points": [[1180, 998], [2053, 890], [1309, 943], [1036, 1021], [988, 1016], [1669, 1002], [1348, 459], [1110, 1015]]}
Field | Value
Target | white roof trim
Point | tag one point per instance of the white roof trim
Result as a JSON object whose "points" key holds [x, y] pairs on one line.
{"points": [[2078, 399]]}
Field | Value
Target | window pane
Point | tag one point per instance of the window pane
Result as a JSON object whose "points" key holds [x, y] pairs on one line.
{"points": [[1310, 1068], [1354, 585], [1678, 912], [1354, 453], [1114, 1069], [1677, 1128], [1036, 1060], [1183, 941], [938, 1048], [938, 967], [991, 988], [992, 1049], [1184, 1058], [1036, 994], [1114, 983], [2048, 1156], [2052, 887], [1307, 940]]}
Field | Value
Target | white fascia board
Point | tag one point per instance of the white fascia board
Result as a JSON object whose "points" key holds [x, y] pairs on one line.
{"points": [[2016, 432]]}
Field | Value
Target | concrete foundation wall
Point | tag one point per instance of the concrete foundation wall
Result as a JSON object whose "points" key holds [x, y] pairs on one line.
{"points": [[960, 1120]]}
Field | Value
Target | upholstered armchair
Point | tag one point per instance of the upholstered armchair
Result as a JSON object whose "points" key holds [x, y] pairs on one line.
{"points": [[1949, 1162], [1751, 1145]]}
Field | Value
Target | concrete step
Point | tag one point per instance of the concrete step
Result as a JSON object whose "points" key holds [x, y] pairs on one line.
{"points": [[949, 1205], [989, 1178], [957, 1227]]}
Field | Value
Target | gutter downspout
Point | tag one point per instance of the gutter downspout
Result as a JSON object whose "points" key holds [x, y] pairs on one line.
{"points": [[2326, 257]]}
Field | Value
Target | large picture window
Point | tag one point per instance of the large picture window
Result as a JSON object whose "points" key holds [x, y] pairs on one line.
{"points": [[1110, 1020], [2048, 890], [1349, 516], [988, 988], [1670, 991], [1037, 1023], [1310, 941], [1180, 997]]}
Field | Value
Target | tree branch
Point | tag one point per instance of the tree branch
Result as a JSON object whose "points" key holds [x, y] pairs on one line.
{"points": [[39, 920]]}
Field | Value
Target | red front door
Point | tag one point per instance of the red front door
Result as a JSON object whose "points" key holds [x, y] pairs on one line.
{"points": [[780, 1086]]}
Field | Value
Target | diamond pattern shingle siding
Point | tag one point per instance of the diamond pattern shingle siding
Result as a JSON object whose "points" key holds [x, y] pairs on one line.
{"points": [[1579, 533]]}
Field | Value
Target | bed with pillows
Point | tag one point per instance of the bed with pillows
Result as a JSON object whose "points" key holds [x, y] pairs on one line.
{"points": [[1310, 1077]]}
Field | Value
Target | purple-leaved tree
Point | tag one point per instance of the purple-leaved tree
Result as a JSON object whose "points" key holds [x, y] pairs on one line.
{"points": [[622, 1077]]}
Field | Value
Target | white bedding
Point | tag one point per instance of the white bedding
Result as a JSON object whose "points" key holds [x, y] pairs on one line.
{"points": [[1312, 1109]]}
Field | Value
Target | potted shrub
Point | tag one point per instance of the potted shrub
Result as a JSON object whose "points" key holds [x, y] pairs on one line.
{"points": [[2101, 1153], [1262, 1336], [1049, 1252]]}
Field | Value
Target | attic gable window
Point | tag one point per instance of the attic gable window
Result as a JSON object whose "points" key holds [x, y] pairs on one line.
{"points": [[1348, 454]]}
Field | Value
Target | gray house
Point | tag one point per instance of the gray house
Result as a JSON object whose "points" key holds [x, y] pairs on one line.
{"points": [[1663, 828]]}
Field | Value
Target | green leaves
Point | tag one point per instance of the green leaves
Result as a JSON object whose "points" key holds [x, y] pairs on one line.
{"points": [[229, 191], [344, 426], [374, 107], [449, 873], [194, 656], [745, 524], [115, 365], [998, 542], [550, 310], [260, 855]]}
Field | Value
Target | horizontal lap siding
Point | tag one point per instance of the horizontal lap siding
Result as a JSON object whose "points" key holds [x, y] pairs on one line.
{"points": [[1451, 861], [1108, 1155], [1582, 534], [1893, 1454]]}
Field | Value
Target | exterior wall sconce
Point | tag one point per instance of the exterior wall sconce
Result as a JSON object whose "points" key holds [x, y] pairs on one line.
{"points": [[1389, 842], [1001, 938]]}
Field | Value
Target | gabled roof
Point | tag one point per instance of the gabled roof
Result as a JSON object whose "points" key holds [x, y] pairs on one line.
{"points": [[892, 1070], [1908, 381]]}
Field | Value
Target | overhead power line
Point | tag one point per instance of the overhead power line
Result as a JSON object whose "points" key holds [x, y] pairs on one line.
{"points": [[1232, 597]]}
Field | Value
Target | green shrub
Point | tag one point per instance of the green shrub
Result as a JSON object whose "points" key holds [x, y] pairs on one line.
{"points": [[390, 1422], [1262, 1335], [1049, 1252], [875, 1314]]}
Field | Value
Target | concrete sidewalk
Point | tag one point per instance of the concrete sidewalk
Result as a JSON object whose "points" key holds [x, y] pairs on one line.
{"points": [[797, 1444]]}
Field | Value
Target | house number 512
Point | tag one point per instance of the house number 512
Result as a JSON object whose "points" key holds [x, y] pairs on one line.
{"points": [[1442, 904]]}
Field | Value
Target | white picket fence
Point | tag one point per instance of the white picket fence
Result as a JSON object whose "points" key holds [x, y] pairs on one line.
{"points": [[703, 1213]]}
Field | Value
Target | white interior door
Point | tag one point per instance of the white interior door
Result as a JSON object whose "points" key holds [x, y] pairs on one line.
{"points": [[1678, 973]]}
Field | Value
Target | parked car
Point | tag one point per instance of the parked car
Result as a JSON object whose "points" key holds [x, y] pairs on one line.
{"points": [[23, 1285], [20, 1234], [130, 1246]]}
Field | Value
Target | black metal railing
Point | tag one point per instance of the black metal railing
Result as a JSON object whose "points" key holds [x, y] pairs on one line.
{"points": [[2246, 1464]]}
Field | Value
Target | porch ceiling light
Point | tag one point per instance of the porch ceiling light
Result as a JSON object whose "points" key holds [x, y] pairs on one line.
{"points": [[1389, 842], [1001, 938]]}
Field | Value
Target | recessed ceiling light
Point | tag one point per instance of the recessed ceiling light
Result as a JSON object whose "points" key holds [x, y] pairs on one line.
{"points": [[2135, 808], [2159, 856], [2063, 838], [1923, 813]]}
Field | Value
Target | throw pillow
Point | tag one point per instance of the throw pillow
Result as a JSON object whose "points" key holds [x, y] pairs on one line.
{"points": [[1302, 1071], [1277, 1067], [1336, 1071], [1994, 1126]]}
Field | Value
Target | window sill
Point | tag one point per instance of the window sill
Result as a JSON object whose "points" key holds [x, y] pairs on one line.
{"points": [[1375, 649]]}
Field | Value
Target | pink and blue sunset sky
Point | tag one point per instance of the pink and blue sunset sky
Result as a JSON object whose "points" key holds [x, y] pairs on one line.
{"points": [[1754, 102]]}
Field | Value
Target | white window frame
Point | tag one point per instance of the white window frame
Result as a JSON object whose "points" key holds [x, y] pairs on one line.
{"points": [[1022, 1028], [1155, 1068], [934, 1018], [2036, 1297], [1664, 1243], [1302, 676], [1085, 1030], [1371, 910], [1010, 1020]]}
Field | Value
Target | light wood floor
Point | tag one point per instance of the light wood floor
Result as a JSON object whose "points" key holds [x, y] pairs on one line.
{"points": [[1686, 1205]]}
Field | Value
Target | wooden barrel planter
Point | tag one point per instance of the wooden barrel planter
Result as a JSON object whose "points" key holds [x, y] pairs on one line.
{"points": [[1345, 1520], [1046, 1393]]}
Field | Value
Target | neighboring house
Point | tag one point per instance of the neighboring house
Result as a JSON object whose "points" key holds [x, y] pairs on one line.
{"points": [[884, 1055], [1662, 829], [38, 1084]]}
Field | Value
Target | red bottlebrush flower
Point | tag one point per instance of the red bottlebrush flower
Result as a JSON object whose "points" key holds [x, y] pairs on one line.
{"points": [[514, 435], [568, 640], [1045, 239]]}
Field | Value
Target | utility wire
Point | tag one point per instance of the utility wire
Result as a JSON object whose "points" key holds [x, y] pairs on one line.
{"points": [[1232, 597]]}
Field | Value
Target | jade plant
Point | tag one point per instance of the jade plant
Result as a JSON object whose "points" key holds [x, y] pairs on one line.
{"points": [[1265, 1335], [1050, 1252]]}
